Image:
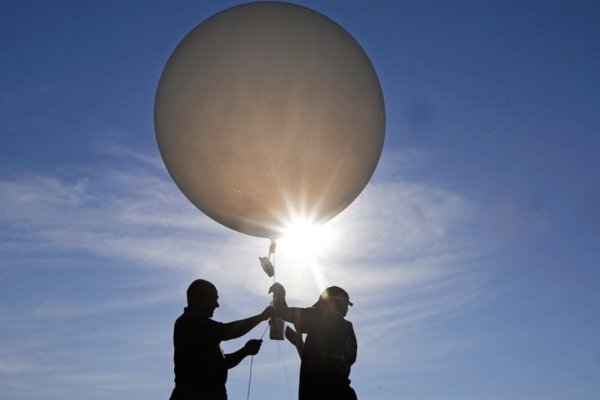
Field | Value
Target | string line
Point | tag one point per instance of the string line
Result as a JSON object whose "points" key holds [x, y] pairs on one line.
{"points": [[279, 352], [252, 362]]}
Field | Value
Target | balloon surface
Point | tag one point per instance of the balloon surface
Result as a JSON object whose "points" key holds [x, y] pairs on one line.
{"points": [[267, 113]]}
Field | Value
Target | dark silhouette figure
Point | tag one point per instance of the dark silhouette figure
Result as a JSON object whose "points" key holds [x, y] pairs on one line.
{"points": [[200, 364], [330, 347]]}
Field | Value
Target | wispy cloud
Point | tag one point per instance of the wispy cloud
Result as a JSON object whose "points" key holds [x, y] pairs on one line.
{"points": [[7, 367], [405, 250]]}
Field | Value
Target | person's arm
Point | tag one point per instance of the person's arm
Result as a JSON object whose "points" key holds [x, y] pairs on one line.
{"points": [[295, 338], [236, 329], [280, 305], [300, 317], [251, 348]]}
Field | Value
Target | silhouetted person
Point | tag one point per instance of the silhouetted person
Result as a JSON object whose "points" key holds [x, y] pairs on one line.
{"points": [[330, 347], [200, 364]]}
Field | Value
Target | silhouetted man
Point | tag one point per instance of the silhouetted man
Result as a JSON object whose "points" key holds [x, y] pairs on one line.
{"points": [[200, 365], [330, 347]]}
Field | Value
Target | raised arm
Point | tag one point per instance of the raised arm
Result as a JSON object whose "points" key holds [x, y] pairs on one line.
{"points": [[290, 314], [236, 329]]}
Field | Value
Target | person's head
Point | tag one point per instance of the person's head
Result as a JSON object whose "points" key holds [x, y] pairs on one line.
{"points": [[335, 299], [202, 297]]}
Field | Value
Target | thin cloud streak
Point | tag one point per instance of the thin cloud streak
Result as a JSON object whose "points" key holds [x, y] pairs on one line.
{"points": [[140, 216], [400, 240]]}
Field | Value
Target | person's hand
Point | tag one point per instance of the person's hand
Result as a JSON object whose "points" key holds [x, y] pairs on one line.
{"points": [[277, 289], [252, 346], [267, 313]]}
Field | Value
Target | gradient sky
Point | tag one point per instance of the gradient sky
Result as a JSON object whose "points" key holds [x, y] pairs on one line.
{"points": [[472, 257]]}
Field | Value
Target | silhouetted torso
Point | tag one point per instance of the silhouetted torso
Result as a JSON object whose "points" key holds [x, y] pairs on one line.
{"points": [[200, 367], [329, 351]]}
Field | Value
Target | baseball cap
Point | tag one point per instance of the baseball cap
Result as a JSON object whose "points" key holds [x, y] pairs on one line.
{"points": [[334, 292]]}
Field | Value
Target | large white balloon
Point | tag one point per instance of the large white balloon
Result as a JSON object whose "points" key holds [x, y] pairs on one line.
{"points": [[269, 112]]}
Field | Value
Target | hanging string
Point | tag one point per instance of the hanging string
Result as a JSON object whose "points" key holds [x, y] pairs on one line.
{"points": [[271, 258], [282, 360], [250, 379], [252, 362], [272, 248]]}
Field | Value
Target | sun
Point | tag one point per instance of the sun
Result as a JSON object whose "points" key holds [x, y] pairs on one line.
{"points": [[305, 239]]}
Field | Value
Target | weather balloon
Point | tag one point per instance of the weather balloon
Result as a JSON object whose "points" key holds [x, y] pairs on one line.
{"points": [[269, 112]]}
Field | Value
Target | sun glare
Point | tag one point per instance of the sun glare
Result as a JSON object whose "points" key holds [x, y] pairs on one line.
{"points": [[305, 239]]}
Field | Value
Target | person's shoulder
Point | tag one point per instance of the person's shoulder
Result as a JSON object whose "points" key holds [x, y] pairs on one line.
{"points": [[194, 317], [311, 312], [202, 319], [323, 317]]}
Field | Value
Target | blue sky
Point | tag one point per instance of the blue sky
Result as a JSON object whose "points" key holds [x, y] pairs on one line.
{"points": [[472, 257]]}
